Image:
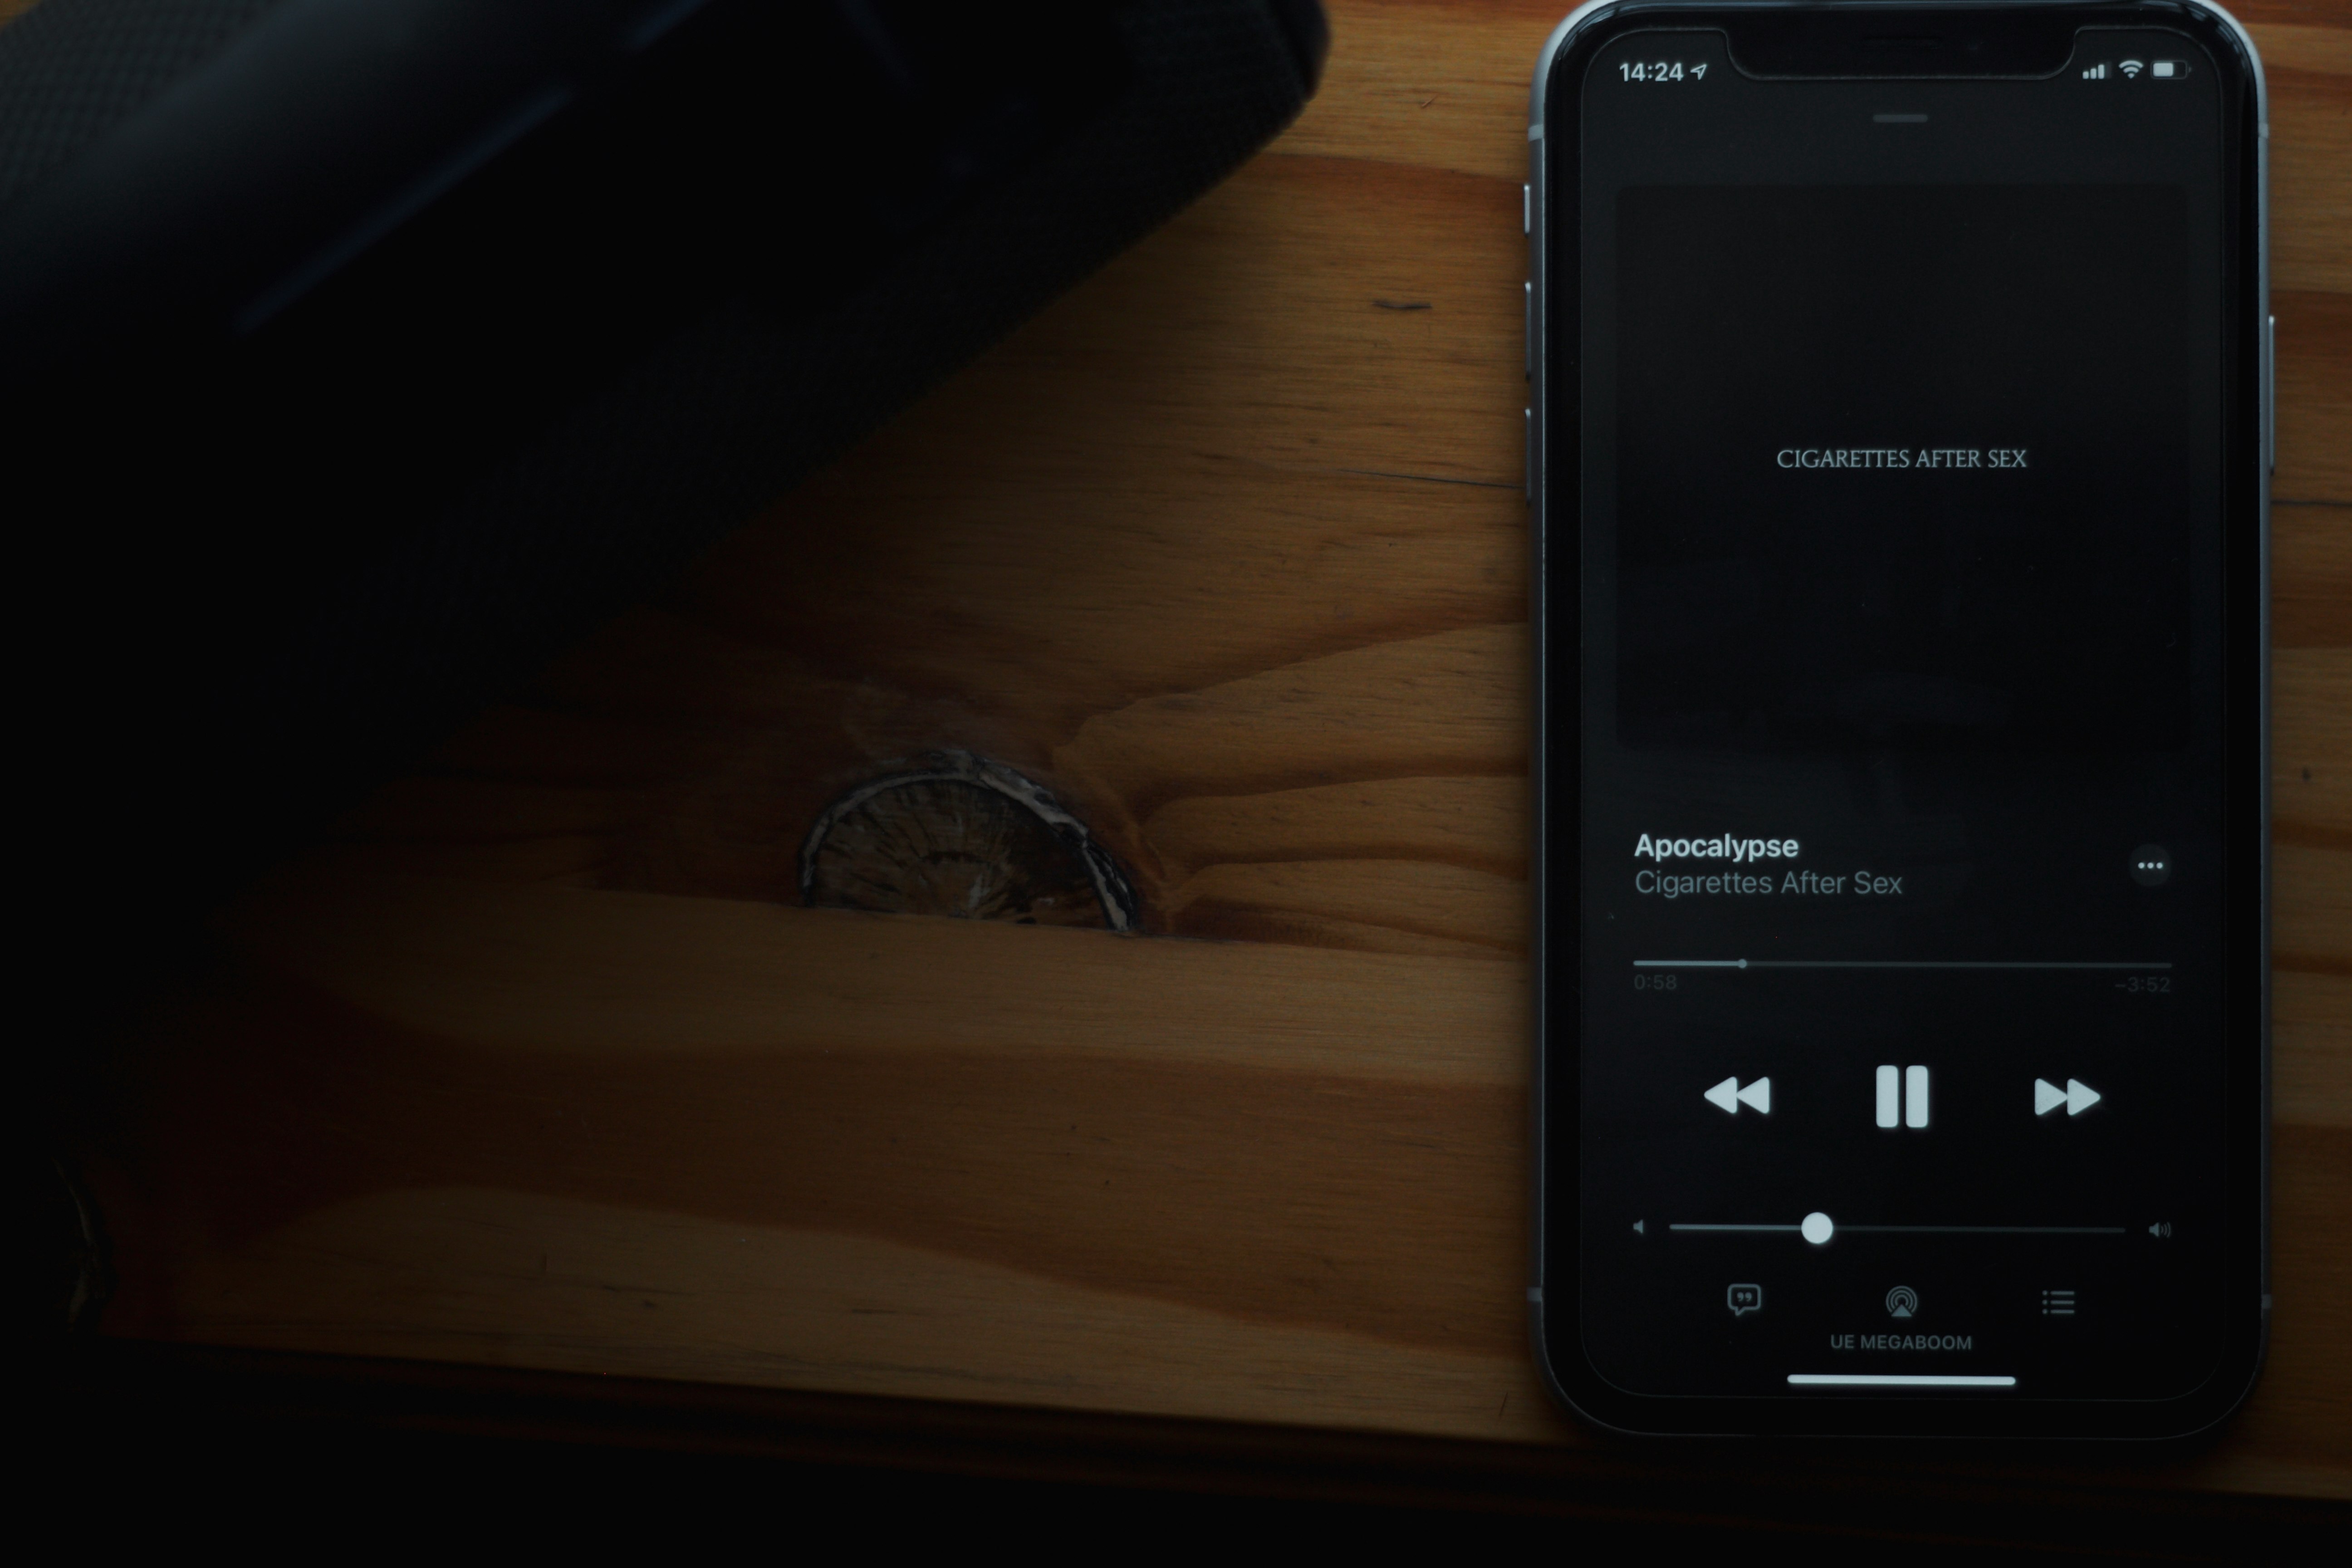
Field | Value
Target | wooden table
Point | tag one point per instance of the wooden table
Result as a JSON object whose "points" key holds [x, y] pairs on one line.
{"points": [[544, 1064]]}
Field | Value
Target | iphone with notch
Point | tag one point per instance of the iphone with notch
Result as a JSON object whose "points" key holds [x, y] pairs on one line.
{"points": [[1899, 447]]}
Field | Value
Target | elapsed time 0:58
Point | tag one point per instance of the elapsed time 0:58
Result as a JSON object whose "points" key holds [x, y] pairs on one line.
{"points": [[1661, 70]]}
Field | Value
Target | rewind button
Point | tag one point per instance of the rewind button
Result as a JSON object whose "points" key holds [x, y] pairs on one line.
{"points": [[1729, 1097]]}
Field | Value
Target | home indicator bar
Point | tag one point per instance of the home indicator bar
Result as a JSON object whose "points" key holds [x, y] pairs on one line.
{"points": [[1894, 1380], [1881, 963]]}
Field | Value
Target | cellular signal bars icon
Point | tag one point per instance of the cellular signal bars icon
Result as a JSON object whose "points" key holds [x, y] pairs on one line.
{"points": [[2096, 73]]}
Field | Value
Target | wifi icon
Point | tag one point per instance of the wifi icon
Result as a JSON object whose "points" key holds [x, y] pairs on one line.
{"points": [[2130, 67]]}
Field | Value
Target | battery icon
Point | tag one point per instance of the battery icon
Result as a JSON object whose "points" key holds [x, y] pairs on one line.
{"points": [[2168, 68]]}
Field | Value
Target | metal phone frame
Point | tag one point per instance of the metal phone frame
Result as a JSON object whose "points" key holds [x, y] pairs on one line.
{"points": [[1534, 222]]}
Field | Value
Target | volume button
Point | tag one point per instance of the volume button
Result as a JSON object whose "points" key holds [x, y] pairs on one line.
{"points": [[1531, 457], [1531, 331], [2270, 398]]}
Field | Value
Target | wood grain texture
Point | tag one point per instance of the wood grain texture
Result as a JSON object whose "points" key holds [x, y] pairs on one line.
{"points": [[537, 1065]]}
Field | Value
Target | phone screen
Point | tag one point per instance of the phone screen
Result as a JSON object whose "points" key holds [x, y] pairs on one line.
{"points": [[1890, 685]]}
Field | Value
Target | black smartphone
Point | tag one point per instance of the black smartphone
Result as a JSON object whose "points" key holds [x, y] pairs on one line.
{"points": [[1899, 452]]}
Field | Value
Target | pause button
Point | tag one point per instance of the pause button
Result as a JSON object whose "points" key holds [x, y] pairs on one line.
{"points": [[1902, 1091]]}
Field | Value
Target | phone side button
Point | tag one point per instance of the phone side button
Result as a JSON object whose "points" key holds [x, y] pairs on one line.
{"points": [[1531, 456], [1531, 331], [2270, 406]]}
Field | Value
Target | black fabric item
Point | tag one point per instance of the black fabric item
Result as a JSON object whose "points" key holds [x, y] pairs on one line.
{"points": [[318, 443], [728, 413], [71, 70]]}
